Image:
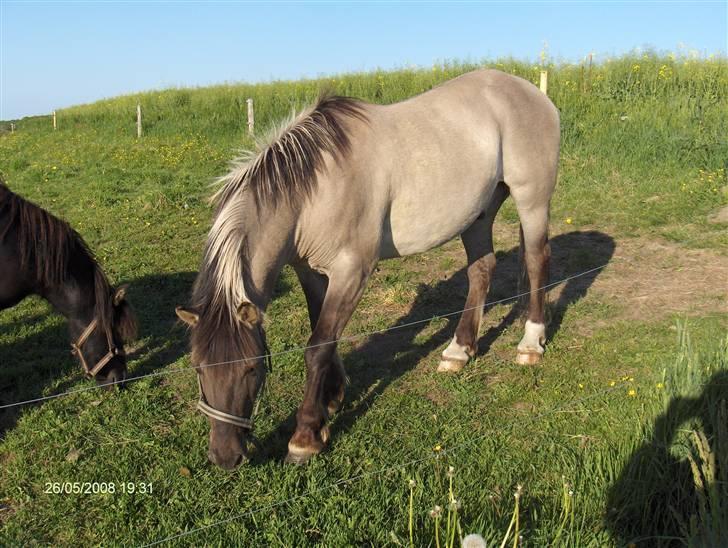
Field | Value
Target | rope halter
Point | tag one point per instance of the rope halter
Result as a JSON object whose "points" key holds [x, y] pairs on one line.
{"points": [[76, 349]]}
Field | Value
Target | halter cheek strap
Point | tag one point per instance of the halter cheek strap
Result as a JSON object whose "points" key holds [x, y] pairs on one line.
{"points": [[76, 349]]}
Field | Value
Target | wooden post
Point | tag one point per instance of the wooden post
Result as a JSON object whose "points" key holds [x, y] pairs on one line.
{"points": [[54, 121], [139, 121], [251, 117], [544, 81], [589, 74]]}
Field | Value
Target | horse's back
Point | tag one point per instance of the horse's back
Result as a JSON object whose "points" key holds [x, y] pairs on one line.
{"points": [[447, 149], [421, 171]]}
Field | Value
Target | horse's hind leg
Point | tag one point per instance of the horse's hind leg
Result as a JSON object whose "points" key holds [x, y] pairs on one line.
{"points": [[537, 254], [478, 242], [314, 287]]}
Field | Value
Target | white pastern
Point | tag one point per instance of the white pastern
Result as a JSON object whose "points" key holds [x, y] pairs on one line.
{"points": [[456, 351], [534, 338]]}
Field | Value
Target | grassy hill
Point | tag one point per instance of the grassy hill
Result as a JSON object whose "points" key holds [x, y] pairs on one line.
{"points": [[643, 167]]}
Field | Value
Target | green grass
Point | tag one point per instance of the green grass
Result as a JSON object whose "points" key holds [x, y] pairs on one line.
{"points": [[644, 156]]}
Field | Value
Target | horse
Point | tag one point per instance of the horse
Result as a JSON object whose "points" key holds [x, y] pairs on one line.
{"points": [[41, 254], [340, 186]]}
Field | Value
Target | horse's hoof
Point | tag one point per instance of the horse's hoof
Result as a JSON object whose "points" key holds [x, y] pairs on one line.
{"points": [[450, 366], [299, 455], [528, 358]]}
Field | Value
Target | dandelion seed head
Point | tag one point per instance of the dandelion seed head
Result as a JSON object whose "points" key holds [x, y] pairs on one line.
{"points": [[474, 541]]}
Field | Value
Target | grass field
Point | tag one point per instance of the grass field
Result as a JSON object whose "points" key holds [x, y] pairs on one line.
{"points": [[600, 437]]}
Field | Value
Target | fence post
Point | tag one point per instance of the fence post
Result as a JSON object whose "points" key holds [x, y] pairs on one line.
{"points": [[12, 128], [139, 121], [54, 121], [589, 74], [544, 81], [251, 117]]}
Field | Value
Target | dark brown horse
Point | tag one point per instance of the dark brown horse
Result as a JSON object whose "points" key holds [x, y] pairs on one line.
{"points": [[41, 254]]}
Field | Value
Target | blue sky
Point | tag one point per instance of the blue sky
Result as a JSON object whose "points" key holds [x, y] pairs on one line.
{"points": [[56, 54]]}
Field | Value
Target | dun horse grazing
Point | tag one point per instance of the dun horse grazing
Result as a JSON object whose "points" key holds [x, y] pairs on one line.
{"points": [[41, 254], [337, 188]]}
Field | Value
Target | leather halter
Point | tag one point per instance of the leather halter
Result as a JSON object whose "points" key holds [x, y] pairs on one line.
{"points": [[242, 422], [76, 349]]}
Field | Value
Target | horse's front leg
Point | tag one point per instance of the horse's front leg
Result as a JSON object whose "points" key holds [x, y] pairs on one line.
{"points": [[314, 285], [346, 285]]}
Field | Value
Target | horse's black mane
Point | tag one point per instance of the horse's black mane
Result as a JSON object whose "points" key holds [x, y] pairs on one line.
{"points": [[50, 249]]}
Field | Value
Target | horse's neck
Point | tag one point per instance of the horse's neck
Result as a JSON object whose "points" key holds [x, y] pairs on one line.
{"points": [[268, 250], [74, 298]]}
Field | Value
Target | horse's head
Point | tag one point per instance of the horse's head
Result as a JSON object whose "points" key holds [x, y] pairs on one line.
{"points": [[229, 353], [100, 345]]}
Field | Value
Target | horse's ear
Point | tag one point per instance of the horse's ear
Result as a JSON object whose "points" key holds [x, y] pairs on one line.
{"points": [[120, 294], [248, 314], [188, 315]]}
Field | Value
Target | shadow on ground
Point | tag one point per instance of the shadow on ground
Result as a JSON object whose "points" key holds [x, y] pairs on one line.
{"points": [[29, 365], [383, 358], [655, 498]]}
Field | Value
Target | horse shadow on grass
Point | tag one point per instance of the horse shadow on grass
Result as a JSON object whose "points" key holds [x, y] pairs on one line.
{"points": [[655, 500], [384, 357], [30, 365]]}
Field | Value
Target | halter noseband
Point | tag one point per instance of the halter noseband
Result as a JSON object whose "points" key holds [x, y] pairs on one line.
{"points": [[242, 422], [76, 349], [221, 416]]}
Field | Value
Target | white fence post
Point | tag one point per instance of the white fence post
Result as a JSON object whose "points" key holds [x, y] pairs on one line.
{"points": [[251, 117], [544, 81], [54, 121], [139, 121], [12, 128]]}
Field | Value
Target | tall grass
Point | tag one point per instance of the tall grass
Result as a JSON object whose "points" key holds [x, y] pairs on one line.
{"points": [[644, 132], [684, 90], [674, 487]]}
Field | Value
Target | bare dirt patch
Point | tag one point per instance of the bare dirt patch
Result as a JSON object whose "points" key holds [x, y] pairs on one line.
{"points": [[653, 279], [645, 279], [648, 278], [720, 216]]}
